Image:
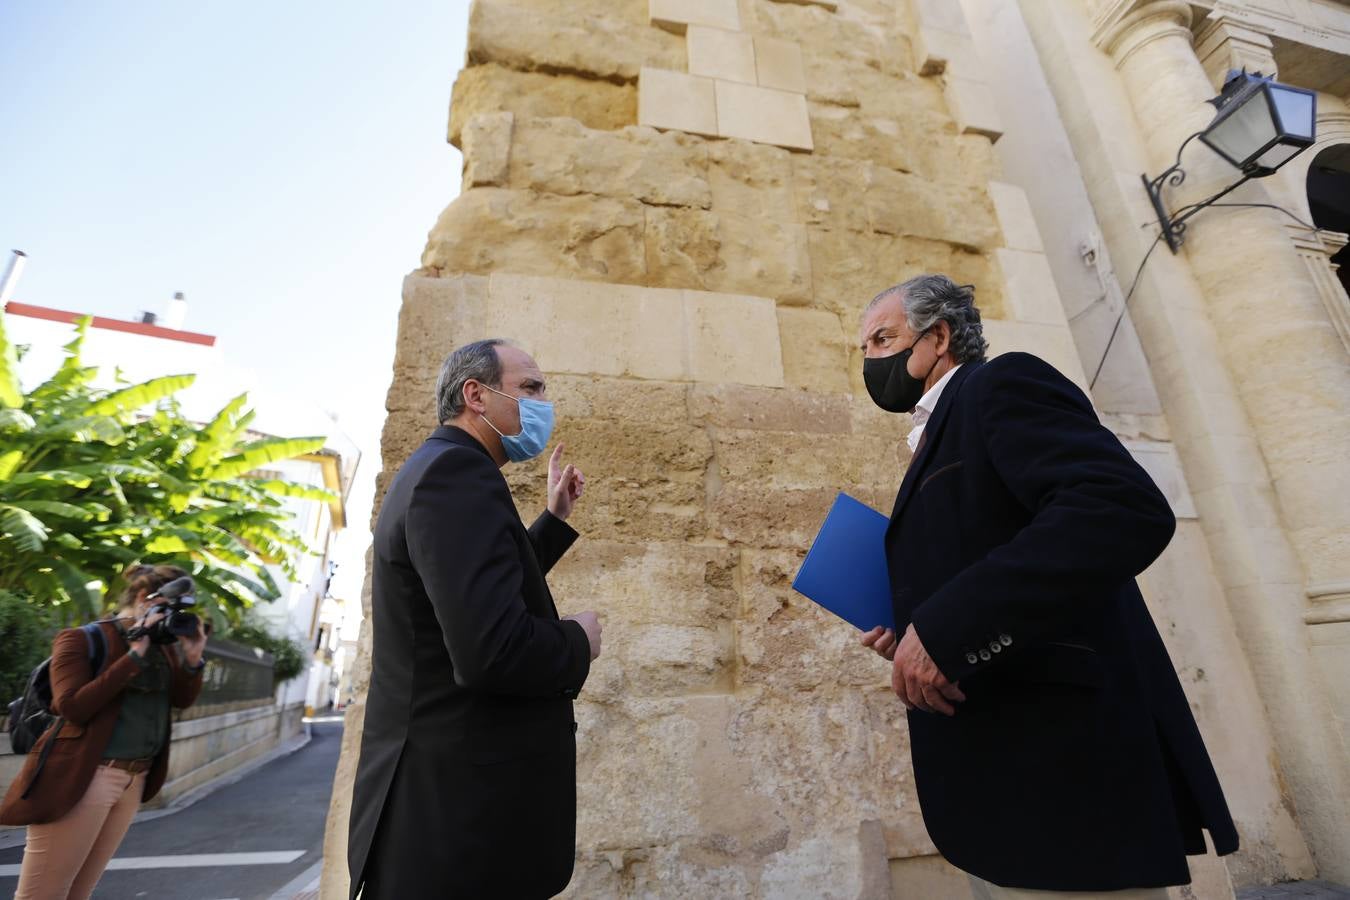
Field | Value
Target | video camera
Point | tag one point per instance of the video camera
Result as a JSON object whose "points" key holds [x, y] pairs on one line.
{"points": [[176, 598]]}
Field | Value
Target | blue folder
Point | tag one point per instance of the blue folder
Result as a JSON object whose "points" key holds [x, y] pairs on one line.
{"points": [[845, 569]]}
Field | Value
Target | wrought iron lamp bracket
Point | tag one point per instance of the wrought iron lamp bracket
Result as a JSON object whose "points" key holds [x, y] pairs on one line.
{"points": [[1174, 226]]}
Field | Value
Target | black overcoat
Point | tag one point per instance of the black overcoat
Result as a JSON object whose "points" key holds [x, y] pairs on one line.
{"points": [[466, 785], [1075, 763]]}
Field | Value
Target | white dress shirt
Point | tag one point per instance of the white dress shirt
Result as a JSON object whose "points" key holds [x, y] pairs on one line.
{"points": [[927, 403]]}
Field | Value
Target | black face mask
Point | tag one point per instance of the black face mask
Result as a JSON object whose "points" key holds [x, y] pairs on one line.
{"points": [[889, 382]]}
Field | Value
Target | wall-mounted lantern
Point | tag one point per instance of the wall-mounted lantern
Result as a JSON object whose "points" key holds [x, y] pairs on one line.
{"points": [[1260, 125]]}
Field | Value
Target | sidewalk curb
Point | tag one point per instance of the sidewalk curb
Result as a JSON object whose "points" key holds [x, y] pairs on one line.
{"points": [[305, 883], [11, 838]]}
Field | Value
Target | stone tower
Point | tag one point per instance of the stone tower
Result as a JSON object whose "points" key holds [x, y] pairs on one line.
{"points": [[680, 208]]}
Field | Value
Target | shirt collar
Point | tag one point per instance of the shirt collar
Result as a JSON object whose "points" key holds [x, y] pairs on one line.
{"points": [[927, 403]]}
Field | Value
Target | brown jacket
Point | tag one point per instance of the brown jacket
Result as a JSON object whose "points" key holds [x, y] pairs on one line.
{"points": [[88, 708]]}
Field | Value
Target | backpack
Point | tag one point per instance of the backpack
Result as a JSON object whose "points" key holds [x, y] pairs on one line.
{"points": [[31, 714]]}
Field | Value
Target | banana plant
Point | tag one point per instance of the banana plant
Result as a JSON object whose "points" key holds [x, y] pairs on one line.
{"points": [[92, 480]]}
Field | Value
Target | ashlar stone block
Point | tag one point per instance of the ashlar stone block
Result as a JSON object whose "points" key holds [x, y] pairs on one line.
{"points": [[492, 88], [945, 15], [728, 252], [487, 149], [1020, 231], [937, 51], [815, 350], [638, 332], [678, 101], [852, 134], [561, 156], [745, 176], [490, 229], [717, 53], [770, 409], [900, 203], [828, 191], [591, 328], [678, 15], [732, 339], [1030, 287], [778, 64], [604, 47], [973, 107], [764, 115]]}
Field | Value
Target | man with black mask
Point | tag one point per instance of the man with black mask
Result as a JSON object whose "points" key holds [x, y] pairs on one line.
{"points": [[1053, 747]]}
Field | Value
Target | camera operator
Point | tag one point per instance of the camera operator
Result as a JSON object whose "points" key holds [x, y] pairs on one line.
{"points": [[110, 748]]}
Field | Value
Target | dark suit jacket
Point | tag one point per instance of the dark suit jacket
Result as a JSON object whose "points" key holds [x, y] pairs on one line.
{"points": [[88, 708], [1075, 763], [466, 785]]}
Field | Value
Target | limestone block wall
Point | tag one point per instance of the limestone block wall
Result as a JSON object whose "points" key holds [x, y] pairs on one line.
{"points": [[692, 288]]}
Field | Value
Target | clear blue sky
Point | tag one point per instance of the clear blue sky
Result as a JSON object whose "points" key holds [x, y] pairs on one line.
{"points": [[278, 162]]}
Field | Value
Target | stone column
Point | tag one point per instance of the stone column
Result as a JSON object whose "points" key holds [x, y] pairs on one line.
{"points": [[1291, 375]]}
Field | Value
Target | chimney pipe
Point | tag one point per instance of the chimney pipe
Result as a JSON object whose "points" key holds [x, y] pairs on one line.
{"points": [[16, 263], [176, 314]]}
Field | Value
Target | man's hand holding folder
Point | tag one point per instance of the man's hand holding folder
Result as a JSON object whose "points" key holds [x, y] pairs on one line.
{"points": [[845, 572]]}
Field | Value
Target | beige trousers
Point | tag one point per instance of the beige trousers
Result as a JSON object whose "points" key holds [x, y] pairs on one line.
{"points": [[983, 890], [63, 860]]}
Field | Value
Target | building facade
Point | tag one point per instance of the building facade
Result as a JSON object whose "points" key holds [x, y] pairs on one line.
{"points": [[681, 209]]}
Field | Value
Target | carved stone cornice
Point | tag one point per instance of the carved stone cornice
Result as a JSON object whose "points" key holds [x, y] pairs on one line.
{"points": [[1124, 26], [1330, 603], [1225, 43]]}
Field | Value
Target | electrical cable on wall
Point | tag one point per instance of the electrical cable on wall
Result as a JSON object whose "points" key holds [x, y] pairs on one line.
{"points": [[1140, 271]]}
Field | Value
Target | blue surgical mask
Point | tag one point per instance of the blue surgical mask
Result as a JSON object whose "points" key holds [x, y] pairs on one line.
{"points": [[536, 427]]}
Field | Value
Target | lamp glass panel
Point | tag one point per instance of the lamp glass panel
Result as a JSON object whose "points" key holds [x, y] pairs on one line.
{"points": [[1295, 109], [1245, 131], [1277, 156]]}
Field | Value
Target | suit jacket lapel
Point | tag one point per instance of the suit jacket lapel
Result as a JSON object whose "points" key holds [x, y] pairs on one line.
{"points": [[461, 437], [932, 433]]}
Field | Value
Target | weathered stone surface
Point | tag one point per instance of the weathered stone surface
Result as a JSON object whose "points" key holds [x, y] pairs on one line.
{"points": [[729, 252], [630, 12], [769, 409], [850, 134], [899, 203], [487, 150], [594, 46], [492, 229], [561, 156], [494, 88], [819, 32], [828, 191], [850, 268], [751, 176], [815, 350]]}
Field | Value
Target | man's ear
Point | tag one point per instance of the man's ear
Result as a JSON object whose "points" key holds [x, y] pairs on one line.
{"points": [[943, 331], [473, 396]]}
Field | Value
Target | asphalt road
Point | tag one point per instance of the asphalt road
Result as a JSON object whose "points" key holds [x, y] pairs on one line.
{"points": [[278, 810]]}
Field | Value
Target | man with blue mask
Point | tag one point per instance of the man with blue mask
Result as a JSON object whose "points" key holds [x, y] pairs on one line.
{"points": [[466, 785]]}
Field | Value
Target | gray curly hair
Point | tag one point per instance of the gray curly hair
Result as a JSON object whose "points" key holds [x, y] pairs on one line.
{"points": [[930, 298]]}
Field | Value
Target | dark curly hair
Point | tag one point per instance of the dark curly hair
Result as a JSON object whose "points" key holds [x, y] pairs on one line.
{"points": [[930, 298]]}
